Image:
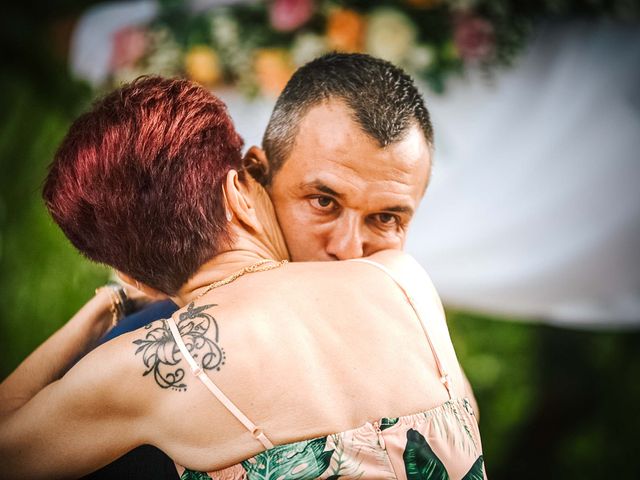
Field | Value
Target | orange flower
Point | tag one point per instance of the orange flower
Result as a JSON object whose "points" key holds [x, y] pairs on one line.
{"points": [[345, 30], [202, 65], [273, 69]]}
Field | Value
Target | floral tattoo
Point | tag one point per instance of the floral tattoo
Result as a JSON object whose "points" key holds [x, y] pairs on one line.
{"points": [[161, 355]]}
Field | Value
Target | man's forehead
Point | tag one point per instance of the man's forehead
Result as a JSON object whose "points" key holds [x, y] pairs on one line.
{"points": [[332, 150], [357, 170]]}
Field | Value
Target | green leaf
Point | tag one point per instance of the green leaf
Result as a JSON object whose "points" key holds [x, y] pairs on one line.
{"points": [[419, 460], [388, 422], [476, 472], [193, 475], [296, 461]]}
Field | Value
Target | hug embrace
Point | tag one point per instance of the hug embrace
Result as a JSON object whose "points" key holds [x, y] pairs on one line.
{"points": [[277, 363]]}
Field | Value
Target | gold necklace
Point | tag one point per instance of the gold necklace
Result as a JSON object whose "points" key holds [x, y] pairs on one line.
{"points": [[261, 266]]}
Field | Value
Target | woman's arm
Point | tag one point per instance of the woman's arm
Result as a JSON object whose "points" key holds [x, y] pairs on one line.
{"points": [[79, 423], [52, 359]]}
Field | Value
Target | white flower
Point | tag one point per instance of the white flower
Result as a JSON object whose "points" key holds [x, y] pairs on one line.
{"points": [[166, 55], [306, 47], [224, 29], [420, 57], [390, 35]]}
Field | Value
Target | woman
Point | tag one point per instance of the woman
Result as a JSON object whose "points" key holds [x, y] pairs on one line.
{"points": [[270, 370]]}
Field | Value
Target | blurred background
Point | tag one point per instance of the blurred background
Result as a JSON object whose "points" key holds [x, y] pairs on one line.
{"points": [[530, 228]]}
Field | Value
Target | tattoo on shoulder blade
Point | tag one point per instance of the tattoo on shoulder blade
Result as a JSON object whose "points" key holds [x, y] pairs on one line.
{"points": [[161, 355]]}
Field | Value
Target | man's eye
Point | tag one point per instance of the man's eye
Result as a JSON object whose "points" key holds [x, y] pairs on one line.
{"points": [[323, 203], [387, 219]]}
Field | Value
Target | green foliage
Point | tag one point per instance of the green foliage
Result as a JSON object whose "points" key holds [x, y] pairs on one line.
{"points": [[44, 281], [562, 400], [498, 357]]}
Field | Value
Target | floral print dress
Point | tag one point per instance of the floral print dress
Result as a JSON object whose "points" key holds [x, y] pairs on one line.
{"points": [[440, 444]]}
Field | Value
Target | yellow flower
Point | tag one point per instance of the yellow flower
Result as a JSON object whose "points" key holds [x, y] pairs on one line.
{"points": [[345, 30], [273, 69], [202, 65]]}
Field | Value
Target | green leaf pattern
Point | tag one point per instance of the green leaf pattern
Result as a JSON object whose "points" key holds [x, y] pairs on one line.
{"points": [[296, 461], [419, 460], [421, 463], [193, 475], [357, 453], [476, 472]]}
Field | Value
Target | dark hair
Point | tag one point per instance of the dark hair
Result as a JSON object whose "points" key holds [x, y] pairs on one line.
{"points": [[384, 100], [137, 181]]}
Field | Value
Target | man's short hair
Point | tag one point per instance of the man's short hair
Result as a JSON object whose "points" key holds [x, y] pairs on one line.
{"points": [[137, 182], [384, 100]]}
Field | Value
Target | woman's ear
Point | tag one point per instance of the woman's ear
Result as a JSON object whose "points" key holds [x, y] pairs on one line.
{"points": [[256, 164], [239, 202]]}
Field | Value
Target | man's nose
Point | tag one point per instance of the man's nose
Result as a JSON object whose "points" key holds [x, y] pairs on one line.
{"points": [[346, 239]]}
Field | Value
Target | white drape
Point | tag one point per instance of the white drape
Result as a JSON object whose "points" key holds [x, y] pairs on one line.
{"points": [[534, 208], [534, 205]]}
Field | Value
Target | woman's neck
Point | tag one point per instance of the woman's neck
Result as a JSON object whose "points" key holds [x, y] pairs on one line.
{"points": [[246, 250]]}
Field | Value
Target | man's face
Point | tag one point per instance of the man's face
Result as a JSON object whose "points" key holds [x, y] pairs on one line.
{"points": [[340, 195]]}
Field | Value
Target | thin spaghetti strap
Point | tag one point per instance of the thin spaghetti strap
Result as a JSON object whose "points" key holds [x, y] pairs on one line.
{"points": [[444, 375], [228, 404]]}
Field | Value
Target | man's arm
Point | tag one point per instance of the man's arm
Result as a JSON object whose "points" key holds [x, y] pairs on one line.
{"points": [[151, 312]]}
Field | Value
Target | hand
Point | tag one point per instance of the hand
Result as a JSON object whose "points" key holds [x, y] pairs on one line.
{"points": [[137, 297]]}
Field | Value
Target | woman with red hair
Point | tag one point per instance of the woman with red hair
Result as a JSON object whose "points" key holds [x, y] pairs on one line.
{"points": [[265, 361]]}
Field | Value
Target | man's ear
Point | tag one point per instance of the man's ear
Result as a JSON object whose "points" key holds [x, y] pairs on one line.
{"points": [[144, 288], [239, 202], [256, 164]]}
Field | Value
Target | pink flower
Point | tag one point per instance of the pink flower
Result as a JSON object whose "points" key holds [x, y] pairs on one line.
{"points": [[287, 15], [129, 46], [473, 37]]}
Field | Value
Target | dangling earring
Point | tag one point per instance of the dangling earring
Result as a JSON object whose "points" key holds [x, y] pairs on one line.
{"points": [[229, 215]]}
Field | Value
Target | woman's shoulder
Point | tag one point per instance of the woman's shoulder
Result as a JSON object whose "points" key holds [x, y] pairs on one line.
{"points": [[406, 271]]}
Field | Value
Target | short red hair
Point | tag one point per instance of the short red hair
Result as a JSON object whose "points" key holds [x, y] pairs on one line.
{"points": [[137, 181]]}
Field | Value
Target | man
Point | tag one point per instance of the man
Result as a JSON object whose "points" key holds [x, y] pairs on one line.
{"points": [[346, 161]]}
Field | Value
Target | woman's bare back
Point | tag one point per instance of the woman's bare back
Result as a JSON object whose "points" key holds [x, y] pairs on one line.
{"points": [[306, 350]]}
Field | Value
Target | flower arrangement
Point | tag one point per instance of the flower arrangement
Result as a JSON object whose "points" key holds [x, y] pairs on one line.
{"points": [[256, 46]]}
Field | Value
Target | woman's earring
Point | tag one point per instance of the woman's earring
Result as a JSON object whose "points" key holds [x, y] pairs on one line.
{"points": [[229, 215]]}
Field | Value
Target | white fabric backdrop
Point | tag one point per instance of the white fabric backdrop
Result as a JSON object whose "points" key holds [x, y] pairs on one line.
{"points": [[534, 205]]}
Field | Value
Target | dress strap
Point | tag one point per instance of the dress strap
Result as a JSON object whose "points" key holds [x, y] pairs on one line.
{"points": [[444, 375], [228, 404]]}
